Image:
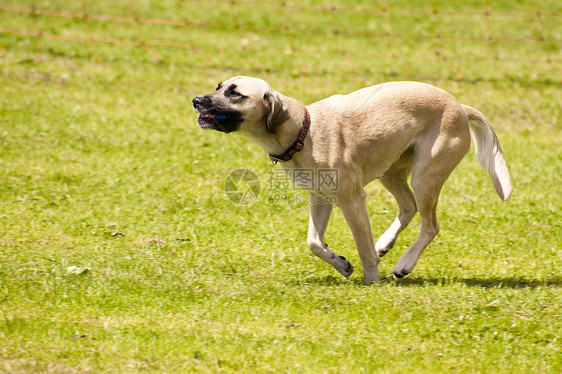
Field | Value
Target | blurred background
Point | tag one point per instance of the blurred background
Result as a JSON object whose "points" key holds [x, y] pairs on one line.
{"points": [[367, 40]]}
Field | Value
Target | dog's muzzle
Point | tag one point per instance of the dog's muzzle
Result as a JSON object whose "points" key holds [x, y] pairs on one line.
{"points": [[213, 117]]}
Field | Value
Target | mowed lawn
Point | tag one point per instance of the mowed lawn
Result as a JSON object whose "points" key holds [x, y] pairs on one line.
{"points": [[121, 252]]}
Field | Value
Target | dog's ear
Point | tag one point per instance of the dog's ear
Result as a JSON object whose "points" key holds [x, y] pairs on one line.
{"points": [[277, 113]]}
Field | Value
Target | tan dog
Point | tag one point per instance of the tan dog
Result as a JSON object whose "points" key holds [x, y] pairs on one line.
{"points": [[385, 132]]}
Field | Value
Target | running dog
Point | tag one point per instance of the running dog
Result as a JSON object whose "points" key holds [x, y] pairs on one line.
{"points": [[387, 132]]}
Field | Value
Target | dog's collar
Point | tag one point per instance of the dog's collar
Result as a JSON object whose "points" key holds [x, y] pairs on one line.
{"points": [[297, 144]]}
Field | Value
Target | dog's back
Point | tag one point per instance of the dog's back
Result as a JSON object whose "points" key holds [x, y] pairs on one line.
{"points": [[380, 123]]}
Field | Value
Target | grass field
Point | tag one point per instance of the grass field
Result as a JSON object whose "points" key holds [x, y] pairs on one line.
{"points": [[120, 251]]}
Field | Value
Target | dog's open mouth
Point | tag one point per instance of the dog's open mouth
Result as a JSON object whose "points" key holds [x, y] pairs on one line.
{"points": [[218, 119], [212, 121]]}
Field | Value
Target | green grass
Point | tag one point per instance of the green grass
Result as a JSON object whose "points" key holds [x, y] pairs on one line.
{"points": [[120, 252]]}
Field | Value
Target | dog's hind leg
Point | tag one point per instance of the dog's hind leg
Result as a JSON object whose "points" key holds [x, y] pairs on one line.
{"points": [[396, 182], [433, 162], [427, 205], [318, 222]]}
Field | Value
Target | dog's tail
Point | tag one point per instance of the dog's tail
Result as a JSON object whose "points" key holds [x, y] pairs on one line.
{"points": [[489, 152]]}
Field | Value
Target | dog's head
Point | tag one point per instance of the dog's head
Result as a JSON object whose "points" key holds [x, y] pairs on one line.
{"points": [[241, 104]]}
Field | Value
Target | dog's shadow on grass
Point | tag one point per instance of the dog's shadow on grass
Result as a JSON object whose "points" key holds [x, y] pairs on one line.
{"points": [[491, 282]]}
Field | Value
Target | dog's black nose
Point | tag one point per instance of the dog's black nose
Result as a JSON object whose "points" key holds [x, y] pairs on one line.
{"points": [[201, 101]]}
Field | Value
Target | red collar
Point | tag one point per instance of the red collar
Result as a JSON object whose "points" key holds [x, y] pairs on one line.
{"points": [[297, 144]]}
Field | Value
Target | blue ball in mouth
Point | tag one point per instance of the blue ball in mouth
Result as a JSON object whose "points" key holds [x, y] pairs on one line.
{"points": [[213, 116]]}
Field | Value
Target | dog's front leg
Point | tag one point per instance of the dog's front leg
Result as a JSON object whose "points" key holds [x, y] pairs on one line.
{"points": [[319, 217], [355, 212]]}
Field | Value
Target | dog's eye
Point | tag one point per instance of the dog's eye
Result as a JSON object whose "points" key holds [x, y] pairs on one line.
{"points": [[233, 93]]}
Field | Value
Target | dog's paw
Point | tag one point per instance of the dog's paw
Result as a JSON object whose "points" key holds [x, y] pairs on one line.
{"points": [[399, 274], [371, 275], [346, 269], [383, 248], [400, 271], [382, 251]]}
